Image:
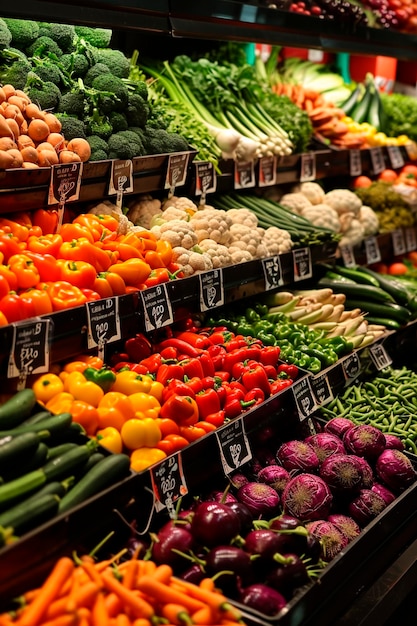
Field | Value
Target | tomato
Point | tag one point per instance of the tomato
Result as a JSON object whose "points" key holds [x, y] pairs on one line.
{"points": [[397, 269], [388, 176], [362, 181], [409, 169]]}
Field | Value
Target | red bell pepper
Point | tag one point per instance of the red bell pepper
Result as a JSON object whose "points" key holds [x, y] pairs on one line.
{"points": [[220, 337], [182, 409], [279, 385], [289, 369], [128, 365], [152, 363], [138, 347], [215, 419], [256, 394], [168, 371], [238, 341], [208, 402], [207, 364], [192, 368], [179, 387], [270, 355], [217, 354], [257, 377]]}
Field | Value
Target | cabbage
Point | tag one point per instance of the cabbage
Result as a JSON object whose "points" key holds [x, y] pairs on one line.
{"points": [[275, 476], [307, 497], [364, 440], [298, 455], [326, 444], [395, 469], [366, 506], [342, 472], [332, 539]]}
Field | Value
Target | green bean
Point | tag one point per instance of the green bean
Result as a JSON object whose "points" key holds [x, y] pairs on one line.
{"points": [[409, 443]]}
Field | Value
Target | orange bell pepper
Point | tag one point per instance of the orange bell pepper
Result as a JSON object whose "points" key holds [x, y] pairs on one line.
{"points": [[72, 231], [82, 249], [60, 403], [11, 278], [25, 270], [182, 409], [91, 222], [78, 273], [3, 319], [46, 219], [65, 296], [85, 414], [9, 245], [4, 286], [40, 300], [45, 264], [118, 401], [20, 231], [45, 244], [133, 271], [109, 281]]}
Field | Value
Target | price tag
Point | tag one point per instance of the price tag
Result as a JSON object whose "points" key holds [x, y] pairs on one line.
{"points": [[304, 398], [206, 179], [351, 366], [379, 356], [355, 162], [157, 307], [323, 393], [103, 322], [121, 180], [372, 251], [267, 171], [348, 256], [234, 446], [64, 186], [398, 242], [410, 239], [308, 167], [395, 156], [168, 483], [244, 175], [176, 170], [411, 149], [272, 272], [30, 349], [377, 158], [211, 289], [302, 264]]}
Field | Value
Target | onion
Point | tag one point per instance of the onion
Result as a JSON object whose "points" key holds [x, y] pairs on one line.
{"points": [[364, 440], [263, 599], [332, 539], [298, 455], [366, 506], [307, 497], [342, 472], [385, 493], [393, 442], [347, 525], [367, 472], [326, 444], [338, 426], [275, 476], [221, 496], [260, 498], [238, 480], [395, 469]]}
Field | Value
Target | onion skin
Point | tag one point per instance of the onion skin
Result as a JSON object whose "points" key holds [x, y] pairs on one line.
{"points": [[393, 442], [366, 506], [298, 455], [367, 472], [332, 539], [326, 444], [395, 469], [338, 426], [384, 492], [364, 440], [342, 473], [307, 497], [260, 499], [347, 525], [263, 598], [275, 476]]}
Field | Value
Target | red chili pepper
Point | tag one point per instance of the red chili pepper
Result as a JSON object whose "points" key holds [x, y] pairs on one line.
{"points": [[152, 363], [288, 368], [179, 387], [270, 355], [215, 419], [256, 377], [138, 347], [192, 368], [207, 364], [256, 394], [279, 385], [168, 371], [181, 345], [194, 339], [208, 402]]}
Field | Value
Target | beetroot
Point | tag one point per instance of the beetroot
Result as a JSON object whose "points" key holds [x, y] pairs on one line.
{"points": [[342, 472], [326, 444], [260, 499], [364, 440], [275, 476], [347, 525], [298, 455], [395, 469], [332, 539], [307, 497], [338, 426], [366, 506]]}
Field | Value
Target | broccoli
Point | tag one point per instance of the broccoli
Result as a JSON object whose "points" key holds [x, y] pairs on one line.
{"points": [[141, 89], [115, 60], [137, 111], [95, 70], [43, 46], [75, 64], [23, 32], [73, 103], [97, 37], [47, 69], [5, 34], [99, 125], [62, 34], [159, 141], [158, 117], [118, 121], [71, 126], [14, 68], [125, 145], [114, 85], [99, 148], [176, 143], [43, 93]]}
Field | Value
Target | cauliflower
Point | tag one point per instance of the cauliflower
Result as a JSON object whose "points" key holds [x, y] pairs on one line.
{"points": [[191, 261], [211, 223], [239, 254], [246, 238], [243, 216], [177, 232], [219, 254], [277, 240], [369, 220], [343, 201], [312, 191], [322, 215], [143, 209], [295, 202], [180, 203], [170, 213], [352, 229]]}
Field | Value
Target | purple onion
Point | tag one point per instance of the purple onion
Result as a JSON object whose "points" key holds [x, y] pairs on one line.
{"points": [[384, 492], [395, 469], [298, 455], [261, 499], [332, 539], [263, 598], [307, 497], [326, 444], [364, 440], [367, 472], [221, 496], [347, 525], [338, 426], [238, 480], [393, 442], [275, 476], [342, 472], [366, 506]]}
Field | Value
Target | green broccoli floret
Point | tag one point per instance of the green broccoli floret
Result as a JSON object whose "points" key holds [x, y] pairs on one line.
{"points": [[176, 143], [141, 89], [159, 141], [97, 37], [115, 60], [118, 121], [73, 103], [125, 145], [47, 69], [112, 84], [95, 70], [98, 124], [99, 148], [43, 93], [14, 69], [5, 34], [140, 132], [71, 126], [62, 34], [158, 117], [137, 111], [44, 46], [23, 32], [75, 64]]}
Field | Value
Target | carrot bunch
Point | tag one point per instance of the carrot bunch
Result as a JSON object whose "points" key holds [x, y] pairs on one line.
{"points": [[31, 138], [132, 593]]}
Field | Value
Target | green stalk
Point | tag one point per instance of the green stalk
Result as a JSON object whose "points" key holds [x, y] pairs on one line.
{"points": [[240, 126], [247, 121]]}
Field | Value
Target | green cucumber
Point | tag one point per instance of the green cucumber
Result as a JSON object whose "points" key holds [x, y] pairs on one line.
{"points": [[388, 310], [350, 103], [36, 418], [390, 324], [27, 515], [61, 448], [12, 449], [393, 286], [49, 426], [17, 408], [363, 293], [361, 110], [356, 275], [105, 473], [33, 462]]}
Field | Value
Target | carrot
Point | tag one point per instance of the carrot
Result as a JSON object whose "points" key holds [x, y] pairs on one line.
{"points": [[176, 613], [113, 604], [138, 606], [130, 574], [208, 584], [68, 619], [147, 568], [99, 615], [92, 573], [163, 573], [217, 601], [123, 620], [165, 593], [204, 615], [50, 590], [82, 596]]}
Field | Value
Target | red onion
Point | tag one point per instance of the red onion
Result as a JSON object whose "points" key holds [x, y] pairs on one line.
{"points": [[395, 469], [393, 442], [261, 499], [326, 444], [338, 426], [275, 476], [332, 539], [364, 440], [385, 493], [298, 455], [366, 506], [307, 497], [342, 472], [347, 525]]}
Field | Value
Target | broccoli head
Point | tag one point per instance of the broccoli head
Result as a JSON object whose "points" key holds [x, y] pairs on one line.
{"points": [[141, 88], [75, 64], [159, 141], [95, 70], [15, 73], [43, 93], [5, 34], [125, 145], [47, 69], [114, 85], [73, 103], [115, 60], [99, 125], [118, 121], [62, 34], [99, 148], [176, 143], [23, 32], [44, 46], [72, 127], [137, 111], [97, 37]]}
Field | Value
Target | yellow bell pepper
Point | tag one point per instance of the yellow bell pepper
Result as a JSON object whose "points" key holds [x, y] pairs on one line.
{"points": [[47, 386], [142, 458], [82, 389], [144, 402], [129, 382], [139, 433], [110, 439], [60, 403]]}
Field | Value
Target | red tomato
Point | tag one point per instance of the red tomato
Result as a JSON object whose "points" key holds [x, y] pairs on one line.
{"points": [[389, 176], [362, 181], [397, 269], [409, 169]]}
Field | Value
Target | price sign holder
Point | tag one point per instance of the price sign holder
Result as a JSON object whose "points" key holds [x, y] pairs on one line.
{"points": [[157, 307], [121, 180], [233, 445], [322, 390], [308, 167], [64, 186], [395, 157], [355, 162], [267, 173], [206, 179], [30, 349], [176, 171], [272, 272], [304, 398], [379, 356], [410, 239], [303, 267], [398, 242], [168, 483], [103, 323], [244, 175], [372, 251], [211, 289], [351, 367], [348, 256], [377, 159]]}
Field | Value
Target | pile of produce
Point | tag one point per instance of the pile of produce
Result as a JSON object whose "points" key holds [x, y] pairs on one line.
{"points": [[390, 206], [400, 114]]}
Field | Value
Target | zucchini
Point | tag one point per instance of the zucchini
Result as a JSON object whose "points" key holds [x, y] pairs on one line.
{"points": [[360, 112], [364, 293], [36, 418], [390, 324], [393, 286], [17, 409], [388, 310], [61, 448], [47, 427], [12, 449], [29, 514], [102, 475], [33, 462], [356, 275]]}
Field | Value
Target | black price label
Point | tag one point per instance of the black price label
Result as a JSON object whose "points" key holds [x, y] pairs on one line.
{"points": [[398, 242], [234, 446], [380, 357], [121, 179], [103, 322], [267, 171], [304, 398], [244, 175], [372, 251], [302, 264], [168, 483], [351, 366], [355, 162], [321, 388], [410, 239], [308, 167], [395, 156], [176, 170], [157, 307], [272, 272], [206, 179], [377, 159], [348, 255], [30, 348], [65, 183], [211, 289]]}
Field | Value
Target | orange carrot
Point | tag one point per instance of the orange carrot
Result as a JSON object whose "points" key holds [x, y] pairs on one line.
{"points": [[92, 572], [84, 597], [163, 573], [123, 620], [33, 614], [204, 616], [147, 568], [99, 615], [130, 574], [176, 613], [113, 604], [217, 601], [208, 584], [137, 606], [165, 593], [68, 619]]}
